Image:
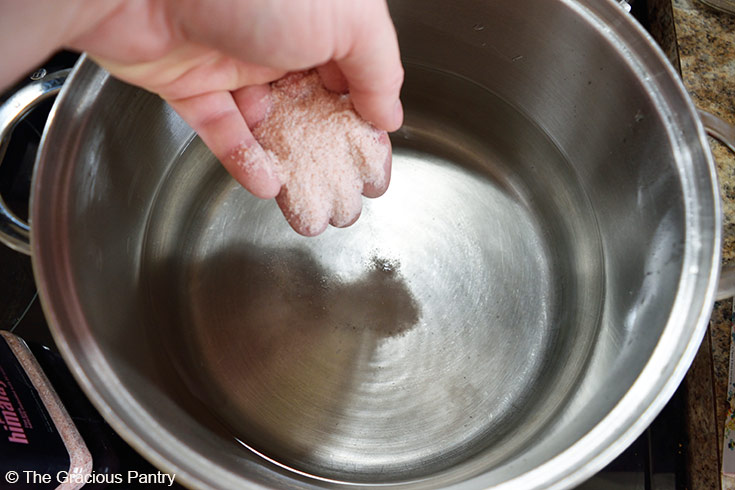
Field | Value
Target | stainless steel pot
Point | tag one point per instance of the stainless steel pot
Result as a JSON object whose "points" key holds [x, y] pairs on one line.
{"points": [[511, 314]]}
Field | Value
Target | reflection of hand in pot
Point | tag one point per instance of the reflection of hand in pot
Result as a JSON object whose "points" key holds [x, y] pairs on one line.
{"points": [[212, 62]]}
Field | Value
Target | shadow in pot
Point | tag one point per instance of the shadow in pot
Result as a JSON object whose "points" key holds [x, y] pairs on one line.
{"points": [[271, 341]]}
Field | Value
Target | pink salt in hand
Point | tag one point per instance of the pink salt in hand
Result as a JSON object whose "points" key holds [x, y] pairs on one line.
{"points": [[213, 61], [324, 154]]}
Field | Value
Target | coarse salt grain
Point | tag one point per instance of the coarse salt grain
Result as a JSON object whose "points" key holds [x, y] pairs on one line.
{"points": [[322, 150], [254, 158]]}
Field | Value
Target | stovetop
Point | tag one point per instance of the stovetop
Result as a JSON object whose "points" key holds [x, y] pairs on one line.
{"points": [[656, 460]]}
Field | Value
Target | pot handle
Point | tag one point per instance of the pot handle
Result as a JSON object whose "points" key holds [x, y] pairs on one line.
{"points": [[14, 232], [724, 132]]}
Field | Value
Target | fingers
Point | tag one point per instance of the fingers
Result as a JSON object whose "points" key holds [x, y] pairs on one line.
{"points": [[218, 72], [309, 208], [189, 71], [357, 34], [372, 189], [375, 186], [311, 218], [218, 121], [333, 78], [254, 103], [346, 209], [223, 120], [373, 70], [308, 222]]}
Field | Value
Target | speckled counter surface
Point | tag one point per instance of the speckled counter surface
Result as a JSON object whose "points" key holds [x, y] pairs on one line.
{"points": [[706, 45], [706, 40]]}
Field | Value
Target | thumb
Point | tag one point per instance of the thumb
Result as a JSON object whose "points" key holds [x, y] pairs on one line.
{"points": [[373, 68]]}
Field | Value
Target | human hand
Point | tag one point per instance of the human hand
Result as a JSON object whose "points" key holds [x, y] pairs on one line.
{"points": [[212, 61]]}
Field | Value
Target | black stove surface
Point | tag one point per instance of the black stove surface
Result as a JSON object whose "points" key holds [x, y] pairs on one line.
{"points": [[656, 460]]}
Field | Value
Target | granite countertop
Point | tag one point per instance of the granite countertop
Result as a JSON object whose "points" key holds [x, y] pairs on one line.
{"points": [[706, 48]]}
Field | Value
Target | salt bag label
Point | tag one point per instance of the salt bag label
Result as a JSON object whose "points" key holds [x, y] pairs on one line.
{"points": [[29, 440], [10, 416]]}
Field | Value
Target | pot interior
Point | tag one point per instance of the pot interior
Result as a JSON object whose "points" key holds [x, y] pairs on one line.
{"points": [[504, 300], [428, 332]]}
